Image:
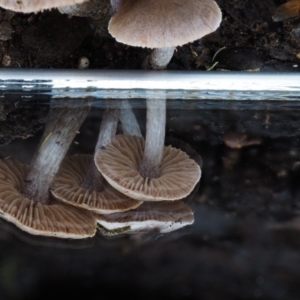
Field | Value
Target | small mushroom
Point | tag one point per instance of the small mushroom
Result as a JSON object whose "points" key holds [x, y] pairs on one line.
{"points": [[163, 25], [128, 120], [120, 163], [146, 170], [287, 10], [28, 6], [25, 199], [79, 183], [160, 217]]}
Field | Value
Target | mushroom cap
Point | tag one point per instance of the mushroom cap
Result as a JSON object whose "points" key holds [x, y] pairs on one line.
{"points": [[287, 10], [119, 163], [53, 219], [159, 216], [185, 147], [28, 6], [164, 23], [67, 187]]}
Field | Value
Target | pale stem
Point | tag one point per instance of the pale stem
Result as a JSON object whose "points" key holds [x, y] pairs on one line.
{"points": [[62, 125], [155, 138], [116, 4], [159, 58], [128, 120], [95, 9], [94, 179]]}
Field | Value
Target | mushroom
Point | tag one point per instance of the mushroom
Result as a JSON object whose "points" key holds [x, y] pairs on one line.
{"points": [[25, 199], [146, 170], [79, 183], [161, 217], [191, 152], [120, 163], [28, 6], [287, 10], [163, 25], [128, 120]]}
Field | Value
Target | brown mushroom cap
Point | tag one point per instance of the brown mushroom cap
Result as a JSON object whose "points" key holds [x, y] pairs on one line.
{"points": [[28, 6], [67, 188], [185, 147], [164, 23], [52, 219], [119, 163], [287, 10], [160, 216]]}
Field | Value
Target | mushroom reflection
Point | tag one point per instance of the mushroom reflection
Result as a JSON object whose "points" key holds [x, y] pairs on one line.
{"points": [[28, 6], [79, 183], [161, 217], [287, 10], [155, 172], [12, 232], [147, 170], [25, 199], [119, 163]]}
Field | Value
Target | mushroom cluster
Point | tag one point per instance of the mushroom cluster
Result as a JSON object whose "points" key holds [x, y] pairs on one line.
{"points": [[130, 183], [66, 197], [80, 184], [148, 172], [25, 197], [28, 6]]}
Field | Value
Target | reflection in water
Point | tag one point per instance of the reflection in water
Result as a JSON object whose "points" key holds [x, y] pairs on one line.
{"points": [[242, 191], [41, 241], [160, 217], [69, 187], [24, 191], [79, 183], [252, 178], [119, 163]]}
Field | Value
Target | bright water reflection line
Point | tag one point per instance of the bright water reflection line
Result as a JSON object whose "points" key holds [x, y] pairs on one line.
{"points": [[105, 84]]}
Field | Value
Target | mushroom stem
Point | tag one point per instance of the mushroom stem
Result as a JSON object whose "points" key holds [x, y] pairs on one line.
{"points": [[155, 138], [61, 128], [93, 9], [116, 4], [159, 58], [128, 120], [94, 179], [156, 118]]}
